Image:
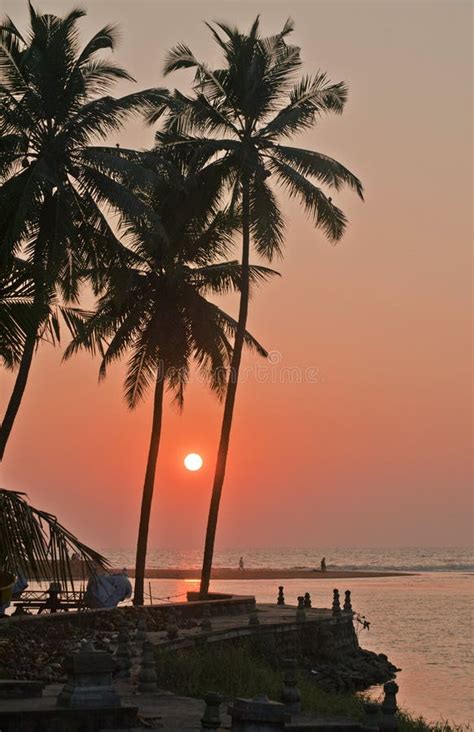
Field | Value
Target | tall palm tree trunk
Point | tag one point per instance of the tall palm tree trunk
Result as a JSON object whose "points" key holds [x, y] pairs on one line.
{"points": [[226, 427], [148, 488], [18, 391]]}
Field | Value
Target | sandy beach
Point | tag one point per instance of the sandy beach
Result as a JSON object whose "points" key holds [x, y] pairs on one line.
{"points": [[232, 573]]}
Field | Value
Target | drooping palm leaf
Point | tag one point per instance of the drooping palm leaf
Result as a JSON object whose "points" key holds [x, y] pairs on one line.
{"points": [[33, 542]]}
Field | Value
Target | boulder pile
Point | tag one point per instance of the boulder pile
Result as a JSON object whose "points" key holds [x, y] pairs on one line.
{"points": [[35, 648], [353, 673]]}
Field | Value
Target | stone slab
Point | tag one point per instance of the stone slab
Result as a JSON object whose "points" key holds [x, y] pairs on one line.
{"points": [[38, 718], [18, 689]]}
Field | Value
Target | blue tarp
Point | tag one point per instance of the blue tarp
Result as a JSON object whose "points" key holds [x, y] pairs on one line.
{"points": [[20, 585], [108, 590]]}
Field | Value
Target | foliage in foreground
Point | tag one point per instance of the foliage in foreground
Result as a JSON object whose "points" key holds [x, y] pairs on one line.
{"points": [[34, 543], [239, 671]]}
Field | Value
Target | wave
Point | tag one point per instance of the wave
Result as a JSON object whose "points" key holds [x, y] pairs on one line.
{"points": [[448, 567], [422, 560]]}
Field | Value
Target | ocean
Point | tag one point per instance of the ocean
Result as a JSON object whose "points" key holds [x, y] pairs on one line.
{"points": [[423, 622]]}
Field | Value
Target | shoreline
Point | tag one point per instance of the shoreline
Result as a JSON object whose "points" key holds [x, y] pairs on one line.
{"points": [[231, 573]]}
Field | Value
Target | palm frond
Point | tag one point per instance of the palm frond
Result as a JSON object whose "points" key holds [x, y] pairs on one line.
{"points": [[325, 214], [141, 368], [106, 37], [319, 166], [19, 315], [312, 96], [266, 220], [179, 57], [225, 277], [34, 543], [230, 325]]}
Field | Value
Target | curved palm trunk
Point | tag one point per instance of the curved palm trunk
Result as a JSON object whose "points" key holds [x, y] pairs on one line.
{"points": [[17, 392], [229, 398], [148, 489]]}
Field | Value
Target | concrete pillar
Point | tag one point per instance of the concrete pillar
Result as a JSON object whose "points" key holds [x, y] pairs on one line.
{"points": [[212, 714], [89, 680]]}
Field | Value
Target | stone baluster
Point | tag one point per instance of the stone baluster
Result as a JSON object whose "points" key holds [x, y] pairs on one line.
{"points": [[281, 596], [307, 600], [300, 611], [389, 722], [172, 625], [147, 678], [259, 713], [206, 624], [140, 635], [212, 713], [290, 695], [347, 602], [372, 714], [123, 655], [336, 603]]}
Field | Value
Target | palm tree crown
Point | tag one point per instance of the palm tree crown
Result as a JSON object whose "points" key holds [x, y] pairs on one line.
{"points": [[52, 107], [155, 308], [244, 112], [54, 184]]}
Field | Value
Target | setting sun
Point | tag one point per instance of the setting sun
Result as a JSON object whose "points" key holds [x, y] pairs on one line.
{"points": [[193, 461]]}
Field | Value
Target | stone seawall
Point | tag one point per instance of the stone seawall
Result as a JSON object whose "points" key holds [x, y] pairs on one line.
{"points": [[115, 618], [34, 646], [324, 637], [326, 645]]}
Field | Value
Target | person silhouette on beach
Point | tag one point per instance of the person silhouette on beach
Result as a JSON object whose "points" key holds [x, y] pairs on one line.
{"points": [[323, 564], [241, 563]]}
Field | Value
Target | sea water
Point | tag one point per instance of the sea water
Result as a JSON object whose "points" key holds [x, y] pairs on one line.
{"points": [[422, 622]]}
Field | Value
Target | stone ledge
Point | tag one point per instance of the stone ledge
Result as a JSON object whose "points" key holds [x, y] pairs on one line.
{"points": [[220, 605], [18, 689], [37, 715]]}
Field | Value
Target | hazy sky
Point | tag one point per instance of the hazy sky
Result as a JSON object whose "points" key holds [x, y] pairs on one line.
{"points": [[365, 438]]}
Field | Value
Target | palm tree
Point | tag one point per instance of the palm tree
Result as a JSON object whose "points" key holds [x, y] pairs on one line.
{"points": [[53, 182], [33, 543], [156, 309], [241, 115]]}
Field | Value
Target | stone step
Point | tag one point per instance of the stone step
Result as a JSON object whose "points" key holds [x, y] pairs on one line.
{"points": [[18, 689]]}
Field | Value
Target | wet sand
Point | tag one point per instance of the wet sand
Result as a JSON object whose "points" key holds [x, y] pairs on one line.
{"points": [[231, 573]]}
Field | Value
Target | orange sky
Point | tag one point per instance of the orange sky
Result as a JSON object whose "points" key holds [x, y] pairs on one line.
{"points": [[373, 449]]}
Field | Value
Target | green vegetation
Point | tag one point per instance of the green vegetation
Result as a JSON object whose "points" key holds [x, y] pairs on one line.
{"points": [[242, 671]]}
